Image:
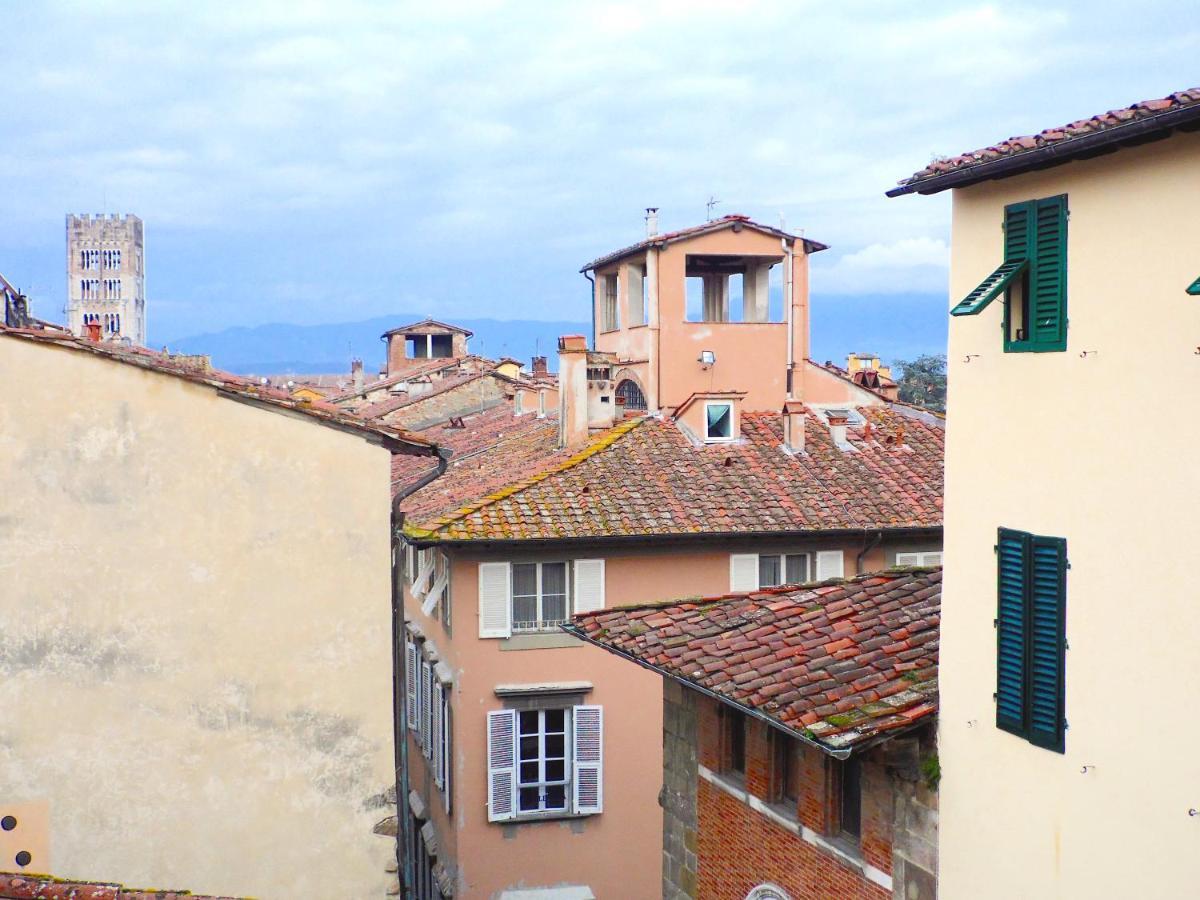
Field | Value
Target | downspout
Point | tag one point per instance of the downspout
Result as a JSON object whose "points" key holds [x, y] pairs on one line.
{"points": [[399, 684], [593, 303], [867, 548], [788, 280]]}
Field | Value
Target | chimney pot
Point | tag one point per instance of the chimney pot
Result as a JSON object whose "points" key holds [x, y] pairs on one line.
{"points": [[793, 426], [651, 221], [539, 365], [92, 331]]}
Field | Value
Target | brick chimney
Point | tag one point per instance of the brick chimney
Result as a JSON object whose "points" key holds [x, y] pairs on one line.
{"points": [[539, 365], [356, 370], [572, 391], [793, 426]]}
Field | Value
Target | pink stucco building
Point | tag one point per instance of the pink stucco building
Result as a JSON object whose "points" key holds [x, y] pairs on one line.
{"points": [[684, 458]]}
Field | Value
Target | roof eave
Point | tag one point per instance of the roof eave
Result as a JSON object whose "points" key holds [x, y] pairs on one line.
{"points": [[1108, 140], [810, 246]]}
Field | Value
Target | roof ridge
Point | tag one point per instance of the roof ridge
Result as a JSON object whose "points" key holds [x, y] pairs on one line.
{"points": [[603, 442]]}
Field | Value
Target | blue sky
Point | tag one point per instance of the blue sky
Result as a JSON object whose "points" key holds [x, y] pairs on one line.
{"points": [[318, 162]]}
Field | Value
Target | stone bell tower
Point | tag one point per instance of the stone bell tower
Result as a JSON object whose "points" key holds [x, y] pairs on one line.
{"points": [[106, 276]]}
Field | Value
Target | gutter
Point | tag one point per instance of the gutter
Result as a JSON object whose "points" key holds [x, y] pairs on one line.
{"points": [[1056, 153], [399, 684], [691, 685]]}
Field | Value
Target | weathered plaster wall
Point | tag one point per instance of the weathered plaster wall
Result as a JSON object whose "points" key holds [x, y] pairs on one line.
{"points": [[194, 632], [1098, 449]]}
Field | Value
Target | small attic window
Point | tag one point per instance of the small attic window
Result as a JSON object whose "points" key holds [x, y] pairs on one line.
{"points": [[718, 421]]}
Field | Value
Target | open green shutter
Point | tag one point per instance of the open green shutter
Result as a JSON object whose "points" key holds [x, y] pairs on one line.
{"points": [[1012, 555], [1048, 276], [1194, 288], [1016, 259], [1047, 641]]}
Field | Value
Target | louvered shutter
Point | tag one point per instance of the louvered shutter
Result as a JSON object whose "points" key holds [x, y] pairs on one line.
{"points": [[1047, 641], [426, 708], [502, 764], [990, 288], [1048, 276], [410, 681], [589, 584], [448, 746], [1012, 554], [495, 603], [830, 564], [743, 571], [908, 559], [435, 733], [424, 572], [434, 597], [588, 739]]}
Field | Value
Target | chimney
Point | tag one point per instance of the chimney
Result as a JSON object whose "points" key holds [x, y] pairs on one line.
{"points": [[572, 391], [539, 365], [91, 331], [837, 426], [356, 370], [651, 221], [793, 426]]}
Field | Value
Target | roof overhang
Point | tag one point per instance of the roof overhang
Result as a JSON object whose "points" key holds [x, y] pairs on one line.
{"points": [[1084, 146]]}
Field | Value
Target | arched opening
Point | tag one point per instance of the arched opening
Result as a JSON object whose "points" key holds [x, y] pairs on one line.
{"points": [[630, 396]]}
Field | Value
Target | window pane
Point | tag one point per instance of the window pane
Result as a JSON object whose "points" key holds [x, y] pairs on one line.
{"points": [[524, 611], [554, 609], [554, 578], [556, 797], [524, 576], [555, 719], [529, 772], [529, 721], [529, 799], [529, 747], [555, 745], [720, 420], [768, 571], [797, 568], [851, 798], [556, 770]]}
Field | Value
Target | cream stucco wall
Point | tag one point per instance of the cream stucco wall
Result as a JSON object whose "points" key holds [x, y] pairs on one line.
{"points": [[492, 857], [1098, 449], [194, 633]]}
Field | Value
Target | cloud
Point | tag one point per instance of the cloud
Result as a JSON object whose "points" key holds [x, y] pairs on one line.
{"points": [[905, 266]]}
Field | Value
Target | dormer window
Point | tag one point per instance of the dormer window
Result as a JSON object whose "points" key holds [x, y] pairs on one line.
{"points": [[718, 421]]}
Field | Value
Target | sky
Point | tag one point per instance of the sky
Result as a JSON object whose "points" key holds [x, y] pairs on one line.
{"points": [[324, 162]]}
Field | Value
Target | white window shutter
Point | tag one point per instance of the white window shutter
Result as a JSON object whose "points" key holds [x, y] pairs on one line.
{"points": [[589, 585], [908, 559], [588, 741], [447, 745], [495, 605], [426, 707], [743, 572], [830, 564], [502, 764], [932, 559], [434, 597], [410, 681], [435, 734], [424, 572]]}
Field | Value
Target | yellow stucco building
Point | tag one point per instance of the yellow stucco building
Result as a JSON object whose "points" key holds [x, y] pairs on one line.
{"points": [[1070, 625], [195, 627]]}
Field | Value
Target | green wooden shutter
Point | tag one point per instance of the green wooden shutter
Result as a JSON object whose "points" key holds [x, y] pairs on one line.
{"points": [[1047, 641], [1016, 259], [1048, 276], [1018, 236], [1194, 287], [1012, 554]]}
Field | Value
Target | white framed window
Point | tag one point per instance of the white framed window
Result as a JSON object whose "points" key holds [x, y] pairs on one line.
{"points": [[610, 302], [921, 558], [525, 597], [718, 421], [754, 571], [545, 762], [541, 405], [541, 595], [518, 403]]}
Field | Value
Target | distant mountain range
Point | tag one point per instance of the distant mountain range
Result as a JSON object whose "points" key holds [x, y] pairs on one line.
{"points": [[895, 326]]}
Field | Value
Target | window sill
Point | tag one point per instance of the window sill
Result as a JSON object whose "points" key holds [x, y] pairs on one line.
{"points": [[539, 640], [610, 330], [535, 818]]}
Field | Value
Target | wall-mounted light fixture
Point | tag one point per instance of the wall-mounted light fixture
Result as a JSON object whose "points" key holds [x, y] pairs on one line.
{"points": [[707, 358]]}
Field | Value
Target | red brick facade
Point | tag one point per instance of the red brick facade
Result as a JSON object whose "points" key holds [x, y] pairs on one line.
{"points": [[739, 847]]}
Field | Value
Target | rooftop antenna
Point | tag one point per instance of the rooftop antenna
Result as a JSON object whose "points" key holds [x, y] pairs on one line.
{"points": [[712, 202]]}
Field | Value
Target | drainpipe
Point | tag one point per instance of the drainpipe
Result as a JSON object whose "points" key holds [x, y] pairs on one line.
{"points": [[867, 548], [399, 685], [787, 299], [593, 301]]}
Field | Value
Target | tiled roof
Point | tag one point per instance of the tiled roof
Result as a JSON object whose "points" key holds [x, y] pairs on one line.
{"points": [[409, 373], [839, 663], [487, 453], [45, 887], [645, 477], [426, 322], [1055, 145], [246, 388], [661, 240]]}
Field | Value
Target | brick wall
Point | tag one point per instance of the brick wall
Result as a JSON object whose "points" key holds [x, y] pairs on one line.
{"points": [[717, 847]]}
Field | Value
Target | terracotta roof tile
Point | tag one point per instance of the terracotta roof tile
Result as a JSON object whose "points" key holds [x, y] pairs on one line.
{"points": [[645, 477], [46, 887], [1114, 123], [189, 369], [823, 660]]}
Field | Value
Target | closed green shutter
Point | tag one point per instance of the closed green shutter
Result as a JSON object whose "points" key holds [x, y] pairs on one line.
{"points": [[1012, 551], [1047, 644], [1048, 276], [1194, 287], [1018, 218]]}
